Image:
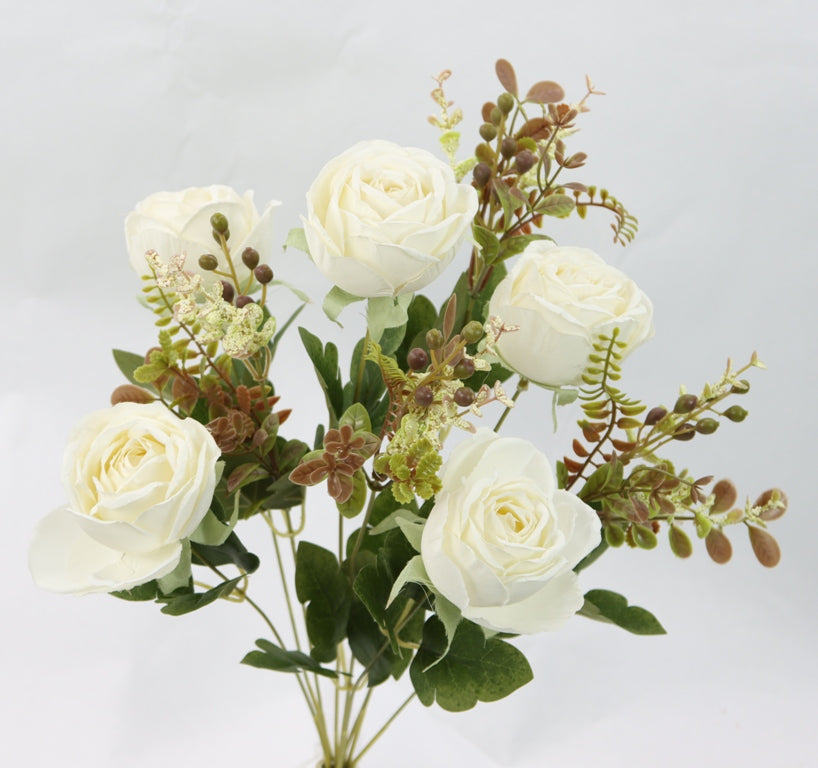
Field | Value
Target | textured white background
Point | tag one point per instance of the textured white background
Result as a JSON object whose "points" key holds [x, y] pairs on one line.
{"points": [[707, 133]]}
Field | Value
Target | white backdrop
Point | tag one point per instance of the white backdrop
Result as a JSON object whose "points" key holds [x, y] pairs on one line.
{"points": [[708, 135]]}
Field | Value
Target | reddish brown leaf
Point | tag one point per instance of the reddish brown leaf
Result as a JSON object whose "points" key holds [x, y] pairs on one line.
{"points": [[546, 92], [536, 128], [506, 75]]}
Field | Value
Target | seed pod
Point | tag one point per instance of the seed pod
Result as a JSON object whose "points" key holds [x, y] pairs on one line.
{"points": [[243, 301], [684, 431], [484, 153], [434, 339], [505, 101], [424, 396], [472, 332], [679, 541], [735, 413], [250, 257], [508, 147], [464, 368], [263, 273], [208, 262], [417, 359], [765, 547], [741, 387], [130, 393], [718, 546], [725, 495], [228, 291], [685, 403], [219, 223], [464, 396], [706, 426], [773, 513], [488, 132], [524, 161], [655, 415], [496, 116], [614, 535], [481, 174]]}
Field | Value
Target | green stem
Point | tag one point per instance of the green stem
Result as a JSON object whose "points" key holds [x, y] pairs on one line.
{"points": [[362, 532], [361, 365]]}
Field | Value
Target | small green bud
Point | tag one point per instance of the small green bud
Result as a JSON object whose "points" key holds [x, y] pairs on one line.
{"points": [[481, 174], [488, 132], [424, 396], [243, 301], [484, 153], [219, 223], [263, 273], [655, 415], [464, 397], [227, 291], [496, 116], [434, 339], [417, 359], [472, 332], [505, 101], [706, 426], [250, 258], [217, 236], [208, 262], [685, 404], [464, 368], [735, 413], [508, 147]]}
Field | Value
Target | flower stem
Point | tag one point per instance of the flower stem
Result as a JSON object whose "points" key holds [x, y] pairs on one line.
{"points": [[522, 386]]}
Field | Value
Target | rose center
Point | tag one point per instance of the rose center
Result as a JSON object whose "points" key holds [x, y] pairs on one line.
{"points": [[510, 518]]}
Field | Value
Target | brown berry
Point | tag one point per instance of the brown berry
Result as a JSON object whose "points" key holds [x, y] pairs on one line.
{"points": [[655, 415], [424, 396], [250, 257], [263, 273], [417, 359], [228, 292], [243, 301], [464, 396]]}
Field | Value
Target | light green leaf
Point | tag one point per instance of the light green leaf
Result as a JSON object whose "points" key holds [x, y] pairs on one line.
{"points": [[297, 292], [296, 239], [556, 205], [613, 608], [412, 527], [415, 573], [180, 575], [128, 362], [357, 418], [277, 659], [386, 312], [354, 505], [335, 301], [212, 531]]}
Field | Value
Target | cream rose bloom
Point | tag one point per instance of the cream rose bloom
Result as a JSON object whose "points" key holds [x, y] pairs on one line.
{"points": [[501, 541], [173, 223], [562, 299], [384, 220], [138, 481]]}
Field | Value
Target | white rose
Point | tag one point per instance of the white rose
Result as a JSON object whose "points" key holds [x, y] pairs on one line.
{"points": [[501, 541], [383, 220], [173, 223], [562, 299], [138, 480]]}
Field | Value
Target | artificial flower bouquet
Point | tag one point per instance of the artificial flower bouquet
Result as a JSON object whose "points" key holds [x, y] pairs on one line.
{"points": [[444, 553]]}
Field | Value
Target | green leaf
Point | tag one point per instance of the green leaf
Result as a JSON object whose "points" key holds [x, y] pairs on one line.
{"points": [[325, 363], [556, 205], [366, 641], [128, 362], [147, 591], [296, 239], [354, 505], [320, 584], [357, 418], [212, 531], [177, 606], [179, 577], [487, 241], [422, 316], [230, 552], [335, 302], [277, 659], [371, 393], [611, 607], [475, 668], [386, 312], [592, 556], [513, 245]]}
